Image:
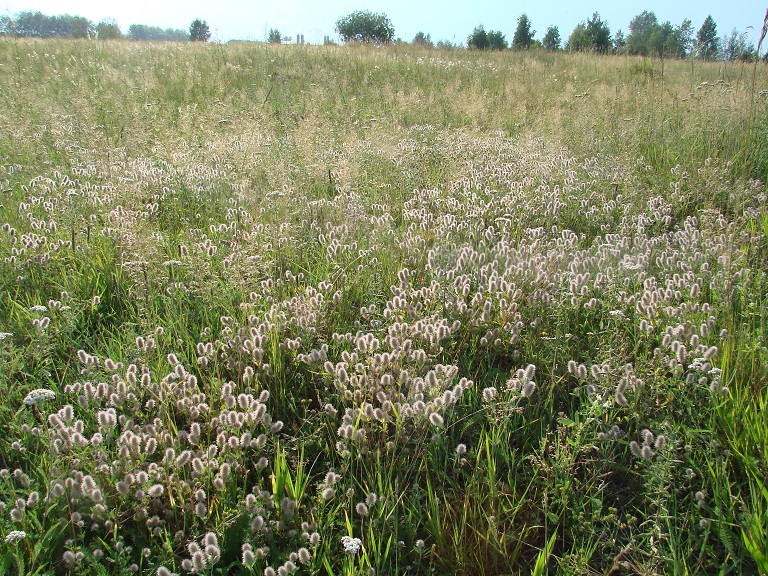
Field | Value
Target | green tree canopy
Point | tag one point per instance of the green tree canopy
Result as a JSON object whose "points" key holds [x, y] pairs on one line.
{"points": [[366, 26], [108, 29], [155, 33], [478, 40], [649, 38], [736, 46], [274, 36], [552, 39], [599, 33], [523, 37], [490, 40], [199, 31], [707, 40], [423, 40], [496, 40], [579, 40], [641, 29], [619, 42], [39, 25], [594, 35]]}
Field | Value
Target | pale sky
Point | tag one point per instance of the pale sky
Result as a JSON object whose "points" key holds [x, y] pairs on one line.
{"points": [[444, 20]]}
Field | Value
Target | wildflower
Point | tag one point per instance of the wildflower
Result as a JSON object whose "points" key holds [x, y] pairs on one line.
{"points": [[155, 491], [351, 545], [528, 389], [15, 535], [304, 556], [38, 308], [435, 419], [461, 449], [248, 556], [361, 509], [328, 493], [38, 395], [4, 335]]}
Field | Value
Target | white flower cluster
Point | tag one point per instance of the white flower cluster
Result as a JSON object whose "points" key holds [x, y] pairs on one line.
{"points": [[38, 308], [4, 335], [351, 545], [15, 535], [37, 395]]}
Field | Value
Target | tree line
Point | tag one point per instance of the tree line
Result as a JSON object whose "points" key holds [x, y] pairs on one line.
{"points": [[39, 25], [646, 35]]}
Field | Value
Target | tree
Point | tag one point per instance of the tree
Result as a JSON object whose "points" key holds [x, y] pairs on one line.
{"points": [[478, 40], [552, 39], [649, 38], [365, 26], [108, 29], [274, 36], [641, 28], [199, 31], [685, 36], [736, 46], [424, 40], [594, 35], [579, 40], [6, 26], [496, 40], [38, 25], [143, 32], [707, 40], [619, 42], [523, 37], [600, 34], [448, 45]]}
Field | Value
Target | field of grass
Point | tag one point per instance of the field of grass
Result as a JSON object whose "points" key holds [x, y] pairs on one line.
{"points": [[320, 310]]}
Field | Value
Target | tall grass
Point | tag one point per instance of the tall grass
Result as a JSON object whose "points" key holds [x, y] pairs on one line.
{"points": [[484, 313]]}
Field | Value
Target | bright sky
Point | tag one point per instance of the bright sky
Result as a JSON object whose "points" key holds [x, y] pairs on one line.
{"points": [[443, 19]]}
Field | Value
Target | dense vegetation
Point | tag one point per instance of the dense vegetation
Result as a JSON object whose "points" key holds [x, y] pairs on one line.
{"points": [[273, 309]]}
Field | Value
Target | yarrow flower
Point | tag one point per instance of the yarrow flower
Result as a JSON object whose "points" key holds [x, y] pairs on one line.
{"points": [[4, 335], [38, 395], [38, 308], [351, 545], [15, 535]]}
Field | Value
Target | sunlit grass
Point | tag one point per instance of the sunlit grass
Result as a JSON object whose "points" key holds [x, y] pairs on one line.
{"points": [[486, 313]]}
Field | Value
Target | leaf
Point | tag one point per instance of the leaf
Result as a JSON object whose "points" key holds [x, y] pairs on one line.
{"points": [[543, 558], [753, 544]]}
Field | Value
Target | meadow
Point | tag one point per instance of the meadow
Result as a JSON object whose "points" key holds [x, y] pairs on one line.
{"points": [[352, 310]]}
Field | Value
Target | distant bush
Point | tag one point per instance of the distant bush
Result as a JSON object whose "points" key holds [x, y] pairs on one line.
{"points": [[366, 26], [144, 32]]}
